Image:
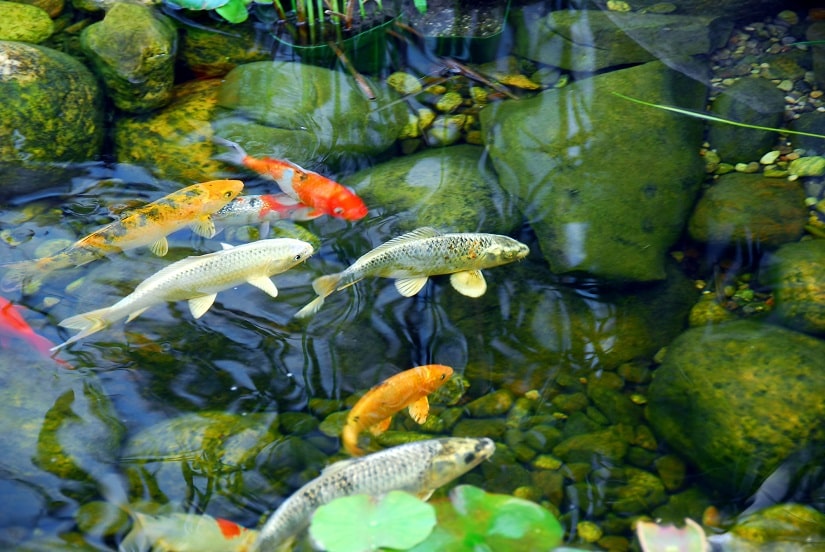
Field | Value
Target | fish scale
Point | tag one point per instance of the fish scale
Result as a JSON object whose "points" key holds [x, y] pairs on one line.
{"points": [[418, 468]]}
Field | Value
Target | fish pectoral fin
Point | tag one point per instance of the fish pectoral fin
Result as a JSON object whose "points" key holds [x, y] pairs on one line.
{"points": [[204, 227], [263, 230], [160, 247], [226, 246], [381, 426], [135, 314], [265, 284], [425, 495], [470, 283], [199, 305], [410, 286], [419, 410]]}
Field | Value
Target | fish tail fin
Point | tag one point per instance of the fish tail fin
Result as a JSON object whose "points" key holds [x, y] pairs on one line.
{"points": [[323, 286], [349, 438], [88, 323], [235, 156]]}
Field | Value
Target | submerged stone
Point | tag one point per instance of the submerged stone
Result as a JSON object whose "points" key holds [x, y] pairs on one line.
{"points": [[24, 23], [49, 99], [793, 527], [753, 392], [577, 160], [796, 272], [133, 50]]}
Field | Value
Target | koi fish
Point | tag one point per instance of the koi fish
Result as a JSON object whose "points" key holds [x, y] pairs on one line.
{"points": [[419, 468], [180, 532], [148, 225], [310, 188], [13, 325], [263, 210], [415, 256], [375, 409], [198, 279]]}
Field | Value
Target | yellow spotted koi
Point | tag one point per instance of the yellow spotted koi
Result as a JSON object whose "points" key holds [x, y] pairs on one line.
{"points": [[148, 225]]}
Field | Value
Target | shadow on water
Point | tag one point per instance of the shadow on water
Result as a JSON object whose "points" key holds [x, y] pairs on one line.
{"points": [[558, 361]]}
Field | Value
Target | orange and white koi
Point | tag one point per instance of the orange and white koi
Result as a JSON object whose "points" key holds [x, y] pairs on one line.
{"points": [[263, 210], [14, 326], [408, 389], [149, 225], [310, 188], [180, 532]]}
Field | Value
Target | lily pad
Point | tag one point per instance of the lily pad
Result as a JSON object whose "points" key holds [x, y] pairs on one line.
{"points": [[361, 523]]}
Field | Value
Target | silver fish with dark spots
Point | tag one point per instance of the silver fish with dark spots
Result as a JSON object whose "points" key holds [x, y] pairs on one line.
{"points": [[415, 256], [418, 468]]}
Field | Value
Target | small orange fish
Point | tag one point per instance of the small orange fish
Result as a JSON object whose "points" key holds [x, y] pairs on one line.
{"points": [[13, 325], [180, 532], [310, 188], [375, 409], [148, 225]]}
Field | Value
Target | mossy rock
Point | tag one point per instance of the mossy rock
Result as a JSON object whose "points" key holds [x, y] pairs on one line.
{"points": [[208, 53], [796, 272], [176, 141], [24, 23], [52, 114], [133, 50], [739, 401]]}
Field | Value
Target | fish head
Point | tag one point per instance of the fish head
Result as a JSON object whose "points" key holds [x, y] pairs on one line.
{"points": [[287, 253], [457, 456], [502, 250], [436, 375], [219, 192], [346, 205]]}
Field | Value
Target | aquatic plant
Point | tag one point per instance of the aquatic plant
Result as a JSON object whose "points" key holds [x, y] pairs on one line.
{"points": [[470, 519], [234, 11], [311, 22]]}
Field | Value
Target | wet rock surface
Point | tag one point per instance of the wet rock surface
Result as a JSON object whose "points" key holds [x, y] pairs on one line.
{"points": [[24, 23], [796, 272]]}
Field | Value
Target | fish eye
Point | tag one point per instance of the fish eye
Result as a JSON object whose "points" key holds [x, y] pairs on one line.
{"points": [[227, 193], [338, 210], [298, 257]]}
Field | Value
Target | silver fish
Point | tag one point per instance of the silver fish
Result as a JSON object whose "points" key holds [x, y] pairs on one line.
{"points": [[415, 256], [263, 210], [419, 468], [198, 280]]}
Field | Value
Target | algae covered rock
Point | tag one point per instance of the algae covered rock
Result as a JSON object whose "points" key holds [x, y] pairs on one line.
{"points": [[24, 23], [753, 397], [174, 142], [796, 272], [444, 188], [578, 160], [306, 112], [52, 114], [133, 50], [209, 53], [788, 527], [741, 209]]}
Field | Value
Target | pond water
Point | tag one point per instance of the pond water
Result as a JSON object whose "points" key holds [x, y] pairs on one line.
{"points": [[228, 414]]}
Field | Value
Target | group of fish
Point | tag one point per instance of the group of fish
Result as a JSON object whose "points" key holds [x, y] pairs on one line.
{"points": [[411, 259]]}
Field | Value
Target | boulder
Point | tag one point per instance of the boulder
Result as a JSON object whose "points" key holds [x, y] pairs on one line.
{"points": [[738, 399], [24, 23], [796, 272], [133, 51], [606, 184], [49, 100]]}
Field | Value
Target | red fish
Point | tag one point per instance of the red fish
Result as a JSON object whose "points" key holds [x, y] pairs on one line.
{"points": [[13, 325], [310, 188], [375, 409]]}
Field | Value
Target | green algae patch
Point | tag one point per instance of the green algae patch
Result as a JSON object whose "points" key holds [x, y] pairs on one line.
{"points": [[24, 23]]}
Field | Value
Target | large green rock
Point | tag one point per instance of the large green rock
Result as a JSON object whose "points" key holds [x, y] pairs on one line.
{"points": [[796, 272], [24, 23], [52, 114], [606, 184], [748, 209], [133, 50], [446, 188], [754, 101], [781, 527], [738, 399], [590, 40], [306, 113]]}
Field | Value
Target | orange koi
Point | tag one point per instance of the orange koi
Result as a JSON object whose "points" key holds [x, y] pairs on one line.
{"points": [[375, 409], [13, 325], [310, 188], [149, 225]]}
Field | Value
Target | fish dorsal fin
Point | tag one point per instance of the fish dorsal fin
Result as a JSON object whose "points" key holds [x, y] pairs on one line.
{"points": [[226, 246], [204, 227], [160, 247], [410, 286], [199, 305], [469, 282], [417, 234], [335, 467], [419, 410], [265, 284]]}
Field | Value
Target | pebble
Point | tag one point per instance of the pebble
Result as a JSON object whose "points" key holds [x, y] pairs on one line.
{"points": [[770, 157]]}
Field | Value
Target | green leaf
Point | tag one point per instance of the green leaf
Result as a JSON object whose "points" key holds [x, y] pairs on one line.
{"points": [[361, 523], [234, 11], [421, 5], [198, 5], [476, 521]]}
